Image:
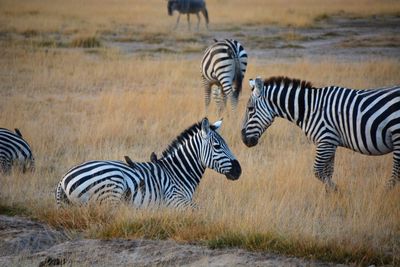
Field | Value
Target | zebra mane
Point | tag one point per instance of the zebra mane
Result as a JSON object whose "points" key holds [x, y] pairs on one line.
{"points": [[185, 135], [286, 80]]}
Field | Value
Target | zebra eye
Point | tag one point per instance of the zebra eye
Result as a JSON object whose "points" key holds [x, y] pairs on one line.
{"points": [[217, 146], [250, 109]]}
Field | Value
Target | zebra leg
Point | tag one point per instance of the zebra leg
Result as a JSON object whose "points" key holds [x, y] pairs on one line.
{"points": [[395, 178], [234, 100], [61, 196], [177, 21], [324, 165], [207, 91], [188, 20], [220, 99], [198, 21]]}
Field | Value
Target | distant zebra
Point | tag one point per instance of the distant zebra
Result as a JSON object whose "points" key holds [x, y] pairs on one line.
{"points": [[188, 7], [171, 180], [14, 150], [224, 65], [365, 121]]}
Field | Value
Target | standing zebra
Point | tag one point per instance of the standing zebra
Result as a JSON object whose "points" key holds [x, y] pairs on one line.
{"points": [[170, 180], [224, 64], [188, 7], [14, 150], [365, 121]]}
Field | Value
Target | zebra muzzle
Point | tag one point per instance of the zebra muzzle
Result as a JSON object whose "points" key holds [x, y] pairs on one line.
{"points": [[235, 172], [249, 141]]}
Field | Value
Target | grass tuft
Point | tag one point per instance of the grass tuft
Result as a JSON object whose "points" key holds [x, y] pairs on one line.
{"points": [[85, 42]]}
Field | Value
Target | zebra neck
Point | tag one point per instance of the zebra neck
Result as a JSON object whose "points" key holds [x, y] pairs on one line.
{"points": [[185, 169], [291, 103]]}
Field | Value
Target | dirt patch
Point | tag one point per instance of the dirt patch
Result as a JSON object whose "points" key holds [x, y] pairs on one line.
{"points": [[27, 243]]}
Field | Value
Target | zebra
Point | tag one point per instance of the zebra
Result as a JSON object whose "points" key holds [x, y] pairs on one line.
{"points": [[365, 121], [14, 150], [171, 180], [224, 65], [188, 7]]}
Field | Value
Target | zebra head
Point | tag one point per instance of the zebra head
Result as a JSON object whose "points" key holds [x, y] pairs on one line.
{"points": [[259, 115], [215, 153], [172, 5]]}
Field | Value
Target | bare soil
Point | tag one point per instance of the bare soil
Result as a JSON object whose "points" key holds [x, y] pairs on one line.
{"points": [[24, 242], [340, 37]]}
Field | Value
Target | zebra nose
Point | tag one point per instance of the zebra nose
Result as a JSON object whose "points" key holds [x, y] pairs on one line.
{"points": [[235, 172], [249, 141]]}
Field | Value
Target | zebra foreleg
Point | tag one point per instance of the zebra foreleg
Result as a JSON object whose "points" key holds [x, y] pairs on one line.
{"points": [[324, 165], [198, 21], [188, 20], [177, 21]]}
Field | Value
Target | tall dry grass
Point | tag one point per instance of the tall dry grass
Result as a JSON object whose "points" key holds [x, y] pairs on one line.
{"points": [[93, 16], [73, 106]]}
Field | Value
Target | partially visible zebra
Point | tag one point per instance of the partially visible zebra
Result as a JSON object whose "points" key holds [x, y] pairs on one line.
{"points": [[14, 150], [365, 121], [170, 180], [188, 7], [224, 65]]}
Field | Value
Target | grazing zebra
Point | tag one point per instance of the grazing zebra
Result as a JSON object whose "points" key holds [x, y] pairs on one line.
{"points": [[224, 64], [188, 7], [365, 121], [170, 180], [14, 150]]}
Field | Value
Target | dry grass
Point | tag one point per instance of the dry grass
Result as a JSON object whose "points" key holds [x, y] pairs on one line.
{"points": [[91, 16], [74, 106]]}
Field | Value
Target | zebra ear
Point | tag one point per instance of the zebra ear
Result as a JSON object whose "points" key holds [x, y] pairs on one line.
{"points": [[205, 127], [18, 132], [252, 83], [257, 86], [216, 125]]}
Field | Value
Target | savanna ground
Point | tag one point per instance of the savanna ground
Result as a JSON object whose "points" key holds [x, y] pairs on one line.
{"points": [[104, 79]]}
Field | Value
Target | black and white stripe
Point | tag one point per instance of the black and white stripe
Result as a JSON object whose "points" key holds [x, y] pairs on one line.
{"points": [[224, 65], [14, 150], [170, 180], [365, 121]]}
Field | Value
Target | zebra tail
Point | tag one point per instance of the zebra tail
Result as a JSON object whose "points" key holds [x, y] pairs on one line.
{"points": [[238, 78], [61, 196]]}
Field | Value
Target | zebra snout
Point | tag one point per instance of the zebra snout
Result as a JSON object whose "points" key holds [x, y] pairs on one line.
{"points": [[235, 172], [249, 141]]}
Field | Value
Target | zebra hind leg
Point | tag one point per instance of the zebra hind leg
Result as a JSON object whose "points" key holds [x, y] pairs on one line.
{"points": [[61, 196], [207, 93], [395, 178], [220, 99], [324, 165]]}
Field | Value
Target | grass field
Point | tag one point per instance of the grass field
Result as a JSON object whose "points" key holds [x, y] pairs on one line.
{"points": [[74, 105]]}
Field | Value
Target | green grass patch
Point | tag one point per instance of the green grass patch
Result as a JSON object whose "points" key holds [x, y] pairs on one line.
{"points": [[331, 252], [13, 210], [85, 42]]}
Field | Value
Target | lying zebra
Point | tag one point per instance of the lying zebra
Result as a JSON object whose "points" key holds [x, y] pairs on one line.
{"points": [[14, 150], [365, 121], [170, 180]]}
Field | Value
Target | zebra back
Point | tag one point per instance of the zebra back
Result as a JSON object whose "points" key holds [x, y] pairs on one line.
{"points": [[224, 64]]}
